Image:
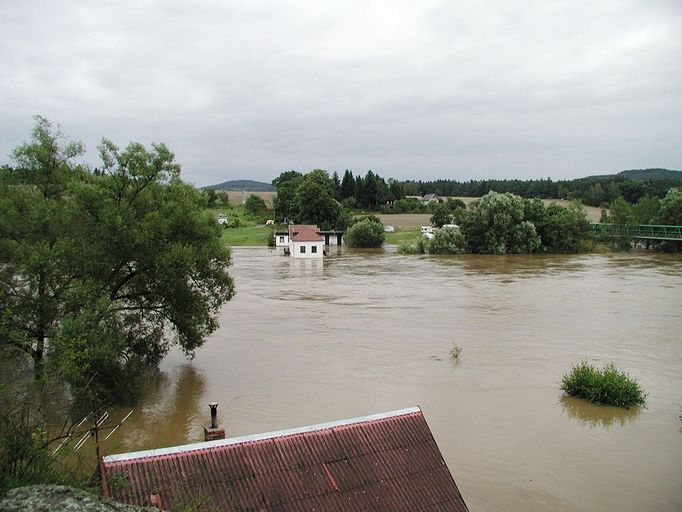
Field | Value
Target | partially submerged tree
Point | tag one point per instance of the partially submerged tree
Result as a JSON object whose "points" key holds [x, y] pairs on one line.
{"points": [[366, 233], [447, 241], [101, 274], [495, 224]]}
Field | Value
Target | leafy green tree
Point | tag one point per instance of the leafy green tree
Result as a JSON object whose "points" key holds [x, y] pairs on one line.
{"points": [[365, 233], [255, 204], [211, 197], [286, 185], [440, 214], [314, 201], [495, 224], [646, 211], [396, 189], [223, 199], [361, 218], [347, 185], [337, 185], [447, 241], [112, 269], [620, 212], [566, 229], [671, 208], [454, 203]]}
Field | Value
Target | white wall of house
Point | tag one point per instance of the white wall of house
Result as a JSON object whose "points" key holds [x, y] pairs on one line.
{"points": [[281, 240], [307, 250]]}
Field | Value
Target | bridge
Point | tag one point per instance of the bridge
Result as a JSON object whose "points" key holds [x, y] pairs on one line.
{"points": [[640, 231]]}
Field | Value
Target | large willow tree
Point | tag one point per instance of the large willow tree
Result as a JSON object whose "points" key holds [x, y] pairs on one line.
{"points": [[102, 272]]}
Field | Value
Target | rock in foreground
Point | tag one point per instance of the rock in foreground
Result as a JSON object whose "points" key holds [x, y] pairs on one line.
{"points": [[59, 498]]}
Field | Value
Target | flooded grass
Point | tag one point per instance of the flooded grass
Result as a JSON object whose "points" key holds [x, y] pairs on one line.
{"points": [[608, 386]]}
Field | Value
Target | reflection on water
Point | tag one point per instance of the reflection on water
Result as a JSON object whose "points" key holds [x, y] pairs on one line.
{"points": [[597, 415], [172, 409], [362, 332]]}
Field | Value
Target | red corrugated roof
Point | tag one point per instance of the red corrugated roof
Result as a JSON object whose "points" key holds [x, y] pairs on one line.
{"points": [[383, 462], [305, 233]]}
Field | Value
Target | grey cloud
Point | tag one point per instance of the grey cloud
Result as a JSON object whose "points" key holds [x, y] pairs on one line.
{"points": [[410, 89]]}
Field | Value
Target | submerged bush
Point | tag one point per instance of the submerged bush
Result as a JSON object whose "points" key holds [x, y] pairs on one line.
{"points": [[419, 247], [447, 241], [455, 351], [608, 386], [366, 233]]}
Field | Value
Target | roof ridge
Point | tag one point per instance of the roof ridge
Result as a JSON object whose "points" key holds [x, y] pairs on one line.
{"points": [[159, 452]]}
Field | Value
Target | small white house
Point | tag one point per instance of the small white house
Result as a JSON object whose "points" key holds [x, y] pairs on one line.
{"points": [[281, 239], [305, 242]]}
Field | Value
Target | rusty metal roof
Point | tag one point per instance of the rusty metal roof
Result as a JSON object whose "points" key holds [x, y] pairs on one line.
{"points": [[382, 462], [305, 233]]}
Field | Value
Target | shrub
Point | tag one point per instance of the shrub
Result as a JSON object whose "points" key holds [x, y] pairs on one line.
{"points": [[608, 386], [419, 247], [360, 218], [455, 351], [365, 233], [447, 241]]}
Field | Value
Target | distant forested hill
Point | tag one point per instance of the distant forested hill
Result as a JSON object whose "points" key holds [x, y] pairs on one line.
{"points": [[250, 185], [653, 174]]}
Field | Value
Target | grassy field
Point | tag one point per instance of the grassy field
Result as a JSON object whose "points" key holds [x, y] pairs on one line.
{"points": [[250, 231], [238, 197], [251, 235], [403, 235]]}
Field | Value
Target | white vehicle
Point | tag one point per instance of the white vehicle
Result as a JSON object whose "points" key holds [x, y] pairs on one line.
{"points": [[389, 229], [269, 222], [426, 229], [451, 226]]}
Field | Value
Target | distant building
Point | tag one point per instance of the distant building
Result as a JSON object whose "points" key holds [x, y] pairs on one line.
{"points": [[430, 198], [385, 461]]}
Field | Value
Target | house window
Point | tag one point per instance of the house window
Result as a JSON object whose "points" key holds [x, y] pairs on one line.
{"points": [[281, 239], [303, 249], [313, 249]]}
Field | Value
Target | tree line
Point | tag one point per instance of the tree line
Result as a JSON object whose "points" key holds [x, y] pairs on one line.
{"points": [[592, 191], [375, 193]]}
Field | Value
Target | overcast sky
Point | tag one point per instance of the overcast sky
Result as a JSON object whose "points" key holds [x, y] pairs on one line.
{"points": [[416, 89]]}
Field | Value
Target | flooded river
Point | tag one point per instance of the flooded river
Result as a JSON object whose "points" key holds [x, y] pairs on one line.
{"points": [[367, 332]]}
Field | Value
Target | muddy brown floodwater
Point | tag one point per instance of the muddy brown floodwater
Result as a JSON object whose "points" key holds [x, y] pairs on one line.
{"points": [[367, 332]]}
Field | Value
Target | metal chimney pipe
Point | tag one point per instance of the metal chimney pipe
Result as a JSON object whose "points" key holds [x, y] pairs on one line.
{"points": [[214, 414]]}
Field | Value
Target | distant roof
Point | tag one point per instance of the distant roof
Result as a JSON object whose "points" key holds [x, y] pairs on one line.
{"points": [[304, 233], [429, 197], [385, 461]]}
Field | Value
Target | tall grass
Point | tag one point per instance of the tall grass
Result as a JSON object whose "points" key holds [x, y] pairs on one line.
{"points": [[608, 386]]}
